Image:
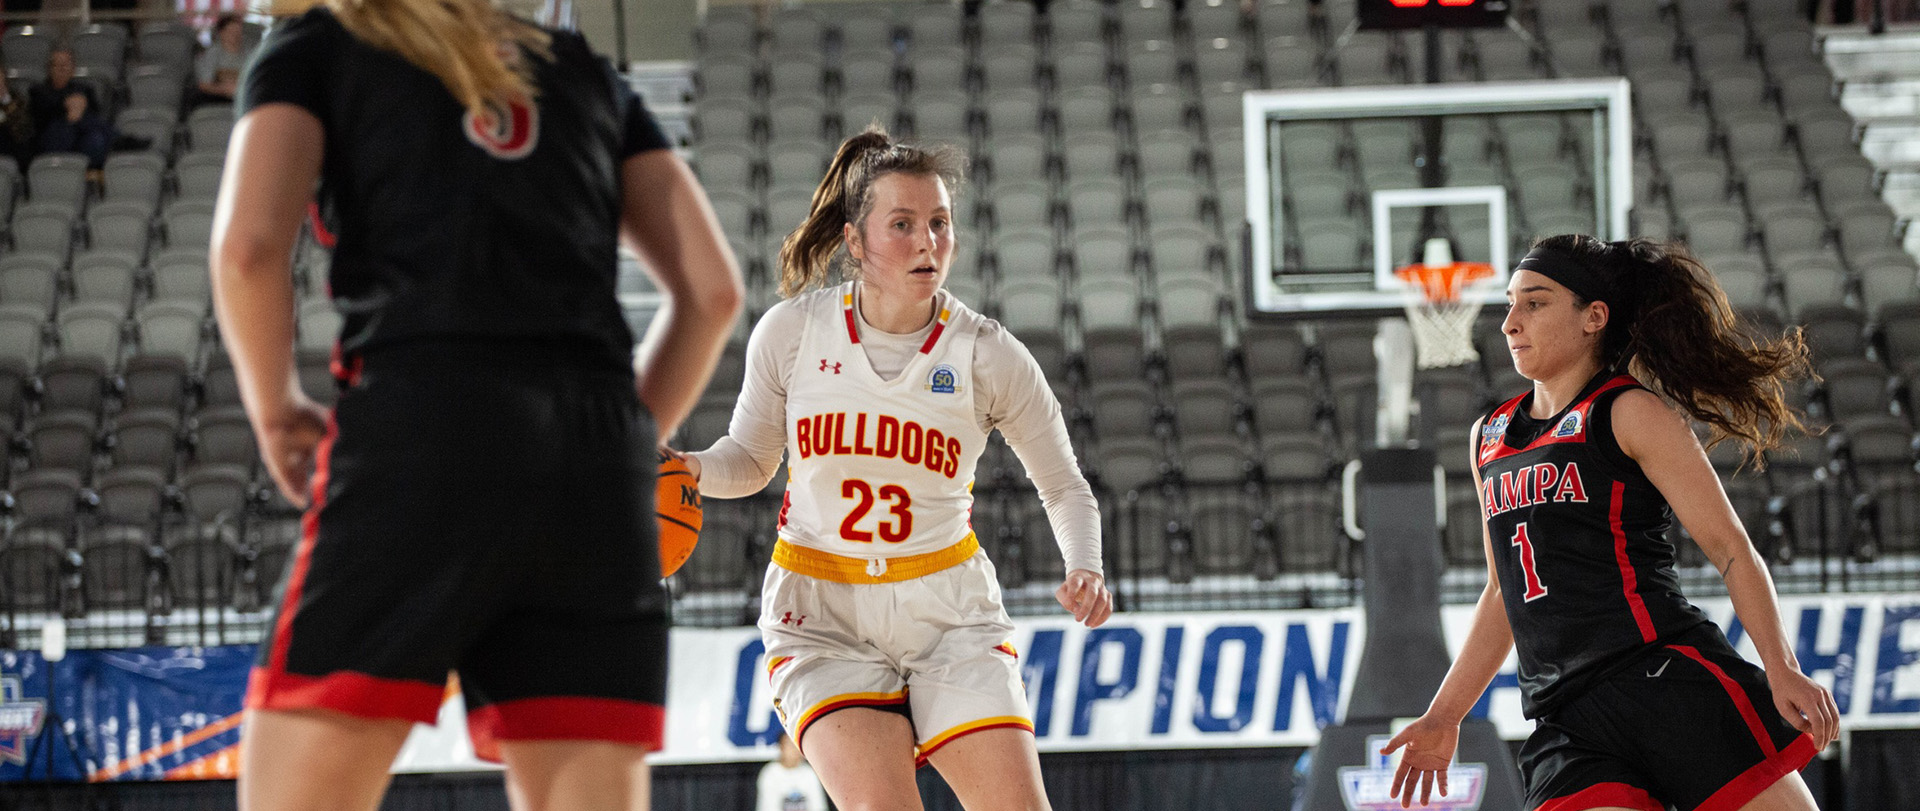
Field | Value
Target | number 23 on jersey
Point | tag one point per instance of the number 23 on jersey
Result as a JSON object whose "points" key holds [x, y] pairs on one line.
{"points": [[893, 526]]}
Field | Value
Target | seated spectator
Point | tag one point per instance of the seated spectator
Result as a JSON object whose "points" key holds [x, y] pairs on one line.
{"points": [[217, 71], [69, 116], [17, 134]]}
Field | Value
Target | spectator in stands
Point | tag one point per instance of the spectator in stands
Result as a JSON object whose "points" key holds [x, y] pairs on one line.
{"points": [[787, 783], [70, 116], [217, 70], [880, 613], [480, 501], [1639, 700], [18, 137]]}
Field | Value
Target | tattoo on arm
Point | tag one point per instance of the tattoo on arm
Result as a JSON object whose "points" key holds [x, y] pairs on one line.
{"points": [[1728, 566]]}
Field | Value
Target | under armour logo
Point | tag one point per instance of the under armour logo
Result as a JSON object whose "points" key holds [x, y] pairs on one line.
{"points": [[824, 366], [789, 619]]}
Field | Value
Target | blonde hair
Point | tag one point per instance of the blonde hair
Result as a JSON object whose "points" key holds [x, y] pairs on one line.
{"points": [[467, 44]]}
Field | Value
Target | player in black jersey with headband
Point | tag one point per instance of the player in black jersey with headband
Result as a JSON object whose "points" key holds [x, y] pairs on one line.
{"points": [[481, 497], [1639, 701]]}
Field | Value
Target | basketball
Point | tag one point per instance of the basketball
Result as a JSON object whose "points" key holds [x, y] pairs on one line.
{"points": [[677, 505]]}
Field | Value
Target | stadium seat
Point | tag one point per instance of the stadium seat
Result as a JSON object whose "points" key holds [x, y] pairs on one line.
{"points": [[63, 440], [106, 276]]}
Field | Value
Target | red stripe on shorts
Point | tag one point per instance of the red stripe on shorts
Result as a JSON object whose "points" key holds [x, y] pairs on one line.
{"points": [[566, 718], [1740, 700], [920, 758], [1741, 790], [1605, 795], [345, 691], [259, 688]]}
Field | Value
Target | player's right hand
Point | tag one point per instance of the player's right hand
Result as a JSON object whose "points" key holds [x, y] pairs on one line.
{"points": [[288, 435], [1430, 744]]}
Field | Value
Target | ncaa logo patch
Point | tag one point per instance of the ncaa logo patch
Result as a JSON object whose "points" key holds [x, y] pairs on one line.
{"points": [[1494, 430], [1570, 426], [507, 131], [943, 380]]}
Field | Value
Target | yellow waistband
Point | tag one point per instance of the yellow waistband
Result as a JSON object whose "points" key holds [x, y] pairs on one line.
{"points": [[842, 569]]}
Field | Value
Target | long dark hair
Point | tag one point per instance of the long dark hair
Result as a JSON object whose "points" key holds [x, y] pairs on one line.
{"points": [[845, 196], [1670, 326]]}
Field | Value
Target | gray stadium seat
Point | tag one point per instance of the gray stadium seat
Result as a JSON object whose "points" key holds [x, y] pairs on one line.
{"points": [[30, 279], [189, 223], [90, 330], [940, 116], [105, 275], [1021, 204], [142, 438], [1018, 157], [171, 329], [209, 127], [152, 381], [1092, 158], [73, 382], [21, 328], [63, 440], [1011, 22], [25, 46], [181, 273], [223, 437], [135, 177], [120, 226]]}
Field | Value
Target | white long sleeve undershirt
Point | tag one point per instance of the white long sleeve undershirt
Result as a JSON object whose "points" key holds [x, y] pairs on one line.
{"points": [[1010, 394]]}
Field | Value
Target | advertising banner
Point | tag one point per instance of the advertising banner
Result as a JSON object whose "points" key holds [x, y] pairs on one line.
{"points": [[1141, 682]]}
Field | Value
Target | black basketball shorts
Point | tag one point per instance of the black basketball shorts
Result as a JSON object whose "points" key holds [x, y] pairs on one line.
{"points": [[486, 512], [1689, 725]]}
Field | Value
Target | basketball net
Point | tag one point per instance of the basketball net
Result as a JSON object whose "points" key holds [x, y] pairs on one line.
{"points": [[1441, 320]]}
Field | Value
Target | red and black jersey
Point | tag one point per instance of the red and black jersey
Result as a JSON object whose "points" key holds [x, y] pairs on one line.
{"points": [[1579, 544], [453, 225]]}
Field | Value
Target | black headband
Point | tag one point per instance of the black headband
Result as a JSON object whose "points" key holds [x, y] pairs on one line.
{"points": [[1570, 272]]}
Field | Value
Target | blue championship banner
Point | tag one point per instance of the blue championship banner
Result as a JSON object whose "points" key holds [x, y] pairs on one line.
{"points": [[1142, 682], [131, 714]]}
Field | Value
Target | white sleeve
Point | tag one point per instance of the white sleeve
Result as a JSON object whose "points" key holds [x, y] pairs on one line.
{"points": [[1014, 397], [742, 462]]}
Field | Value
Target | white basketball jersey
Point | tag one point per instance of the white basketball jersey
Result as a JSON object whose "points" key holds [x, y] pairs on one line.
{"points": [[879, 468]]}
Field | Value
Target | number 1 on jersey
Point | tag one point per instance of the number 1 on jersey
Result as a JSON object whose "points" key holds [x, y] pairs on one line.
{"points": [[1535, 590], [893, 531]]}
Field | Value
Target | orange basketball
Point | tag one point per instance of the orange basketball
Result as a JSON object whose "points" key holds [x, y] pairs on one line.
{"points": [[677, 505]]}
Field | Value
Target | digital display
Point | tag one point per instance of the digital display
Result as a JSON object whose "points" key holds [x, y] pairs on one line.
{"points": [[1397, 14]]}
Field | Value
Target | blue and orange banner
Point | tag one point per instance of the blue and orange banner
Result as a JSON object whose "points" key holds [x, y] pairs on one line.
{"points": [[1142, 681], [126, 714]]}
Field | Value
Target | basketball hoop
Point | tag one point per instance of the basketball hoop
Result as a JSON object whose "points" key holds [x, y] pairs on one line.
{"points": [[1441, 319]]}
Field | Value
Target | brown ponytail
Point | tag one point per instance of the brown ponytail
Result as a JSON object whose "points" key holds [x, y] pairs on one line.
{"points": [[845, 196], [1670, 326], [458, 41]]}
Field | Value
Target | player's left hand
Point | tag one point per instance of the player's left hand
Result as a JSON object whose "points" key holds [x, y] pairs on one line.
{"points": [[1805, 704], [1085, 594]]}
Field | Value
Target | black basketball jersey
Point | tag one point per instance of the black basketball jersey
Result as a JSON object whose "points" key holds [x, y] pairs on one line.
{"points": [[452, 225], [1579, 544]]}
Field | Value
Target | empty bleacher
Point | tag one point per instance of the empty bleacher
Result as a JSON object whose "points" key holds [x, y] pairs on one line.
{"points": [[1101, 224], [1104, 216]]}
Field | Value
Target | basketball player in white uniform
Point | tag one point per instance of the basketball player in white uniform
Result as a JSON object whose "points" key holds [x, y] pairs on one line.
{"points": [[887, 645]]}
